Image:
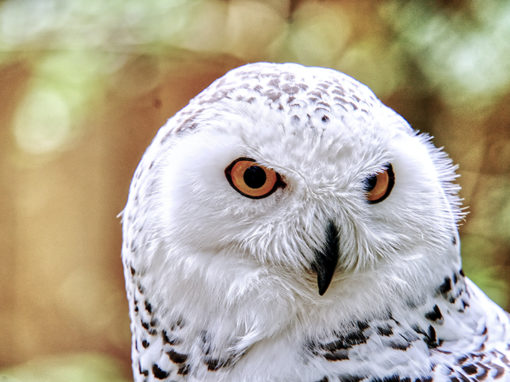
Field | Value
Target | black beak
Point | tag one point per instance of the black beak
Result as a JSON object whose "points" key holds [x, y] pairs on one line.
{"points": [[327, 258]]}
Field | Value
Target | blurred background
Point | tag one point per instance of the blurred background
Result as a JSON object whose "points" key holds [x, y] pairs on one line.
{"points": [[84, 86]]}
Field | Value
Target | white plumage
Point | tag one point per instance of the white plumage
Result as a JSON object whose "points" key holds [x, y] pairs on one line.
{"points": [[287, 226]]}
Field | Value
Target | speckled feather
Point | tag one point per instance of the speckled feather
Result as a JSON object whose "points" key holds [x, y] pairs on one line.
{"points": [[224, 288]]}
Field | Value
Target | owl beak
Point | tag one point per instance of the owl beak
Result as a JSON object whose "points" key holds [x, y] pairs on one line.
{"points": [[326, 259]]}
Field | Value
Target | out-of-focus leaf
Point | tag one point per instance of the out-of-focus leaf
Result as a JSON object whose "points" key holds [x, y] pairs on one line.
{"points": [[66, 368]]}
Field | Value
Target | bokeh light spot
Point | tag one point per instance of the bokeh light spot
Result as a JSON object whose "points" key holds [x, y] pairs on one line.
{"points": [[42, 122]]}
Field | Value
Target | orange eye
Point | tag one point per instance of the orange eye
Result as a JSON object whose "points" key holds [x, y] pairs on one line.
{"points": [[252, 179], [379, 186]]}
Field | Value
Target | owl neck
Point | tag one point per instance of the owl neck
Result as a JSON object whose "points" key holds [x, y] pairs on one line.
{"points": [[172, 343]]}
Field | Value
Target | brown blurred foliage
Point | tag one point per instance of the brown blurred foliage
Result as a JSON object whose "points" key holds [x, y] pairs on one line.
{"points": [[85, 85]]}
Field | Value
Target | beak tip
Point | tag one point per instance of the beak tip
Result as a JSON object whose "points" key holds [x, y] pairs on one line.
{"points": [[323, 285]]}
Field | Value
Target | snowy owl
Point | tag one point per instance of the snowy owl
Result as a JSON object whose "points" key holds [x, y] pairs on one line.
{"points": [[287, 226]]}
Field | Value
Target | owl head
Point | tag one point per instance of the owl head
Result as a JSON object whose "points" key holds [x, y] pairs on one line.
{"points": [[294, 181]]}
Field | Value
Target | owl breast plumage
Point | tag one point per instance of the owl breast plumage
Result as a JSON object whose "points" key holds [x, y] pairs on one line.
{"points": [[287, 226]]}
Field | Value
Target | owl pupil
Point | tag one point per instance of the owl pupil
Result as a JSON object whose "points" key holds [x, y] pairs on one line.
{"points": [[370, 183], [254, 177]]}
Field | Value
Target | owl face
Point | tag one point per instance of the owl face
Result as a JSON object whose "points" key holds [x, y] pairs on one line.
{"points": [[302, 172]]}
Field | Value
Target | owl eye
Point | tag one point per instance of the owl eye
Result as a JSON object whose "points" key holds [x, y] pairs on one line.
{"points": [[251, 179], [379, 186]]}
